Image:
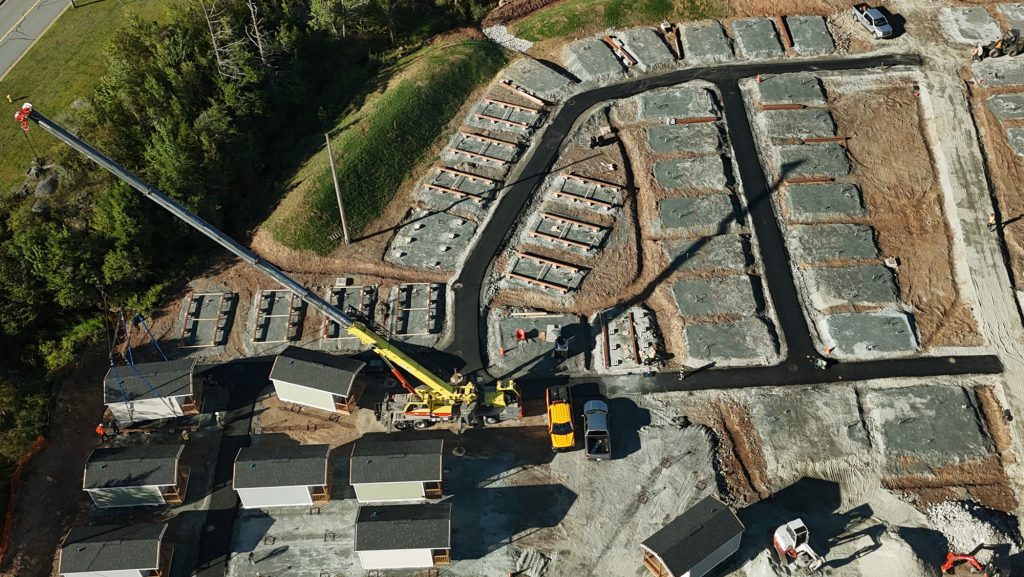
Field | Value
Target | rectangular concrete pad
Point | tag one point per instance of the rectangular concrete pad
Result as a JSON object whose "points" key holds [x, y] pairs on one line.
{"points": [[538, 78], [800, 88], [536, 355], [706, 41], [569, 278], [733, 294], [1000, 71], [811, 202], [1015, 136], [632, 336], [433, 240], [591, 58], [683, 101], [820, 243], [756, 38], [666, 138], [746, 340], [1007, 106], [1014, 14], [698, 216], [805, 123], [970, 25], [695, 172], [858, 285], [810, 35], [871, 333], [647, 46], [799, 160], [927, 425], [727, 252]]}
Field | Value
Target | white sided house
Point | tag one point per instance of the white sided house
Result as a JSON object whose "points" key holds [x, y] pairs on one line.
{"points": [[404, 536], [116, 551], [133, 476], [318, 380], [383, 469], [151, 391], [282, 476]]}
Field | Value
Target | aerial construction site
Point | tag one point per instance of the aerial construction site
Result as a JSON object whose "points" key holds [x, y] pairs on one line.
{"points": [[723, 297]]}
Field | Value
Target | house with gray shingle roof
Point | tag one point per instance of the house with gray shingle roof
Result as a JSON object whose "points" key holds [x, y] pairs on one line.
{"points": [[316, 379], [695, 542], [385, 469], [121, 550], [404, 536], [132, 476], [282, 476], [151, 391]]}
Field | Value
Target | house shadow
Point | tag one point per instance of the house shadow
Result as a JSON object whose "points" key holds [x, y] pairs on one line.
{"points": [[485, 519], [625, 419]]}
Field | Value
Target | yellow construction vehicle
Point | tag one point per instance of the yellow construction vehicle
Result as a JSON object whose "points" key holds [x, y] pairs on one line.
{"points": [[434, 400]]}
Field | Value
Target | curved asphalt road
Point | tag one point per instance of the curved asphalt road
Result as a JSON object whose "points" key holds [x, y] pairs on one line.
{"points": [[470, 341]]}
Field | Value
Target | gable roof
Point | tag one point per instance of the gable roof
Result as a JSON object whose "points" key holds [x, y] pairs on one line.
{"points": [[403, 527], [316, 370], [167, 378], [139, 466], [281, 466], [378, 458], [694, 535], [112, 548]]}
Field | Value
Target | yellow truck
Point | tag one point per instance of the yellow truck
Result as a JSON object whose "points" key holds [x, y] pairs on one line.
{"points": [[560, 427]]}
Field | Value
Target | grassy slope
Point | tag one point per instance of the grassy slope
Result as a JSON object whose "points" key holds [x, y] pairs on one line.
{"points": [[60, 69], [573, 17], [377, 146]]}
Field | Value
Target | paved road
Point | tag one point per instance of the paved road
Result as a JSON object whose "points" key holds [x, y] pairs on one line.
{"points": [[22, 22]]}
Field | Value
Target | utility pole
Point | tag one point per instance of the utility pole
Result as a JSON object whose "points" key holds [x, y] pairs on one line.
{"points": [[337, 189]]}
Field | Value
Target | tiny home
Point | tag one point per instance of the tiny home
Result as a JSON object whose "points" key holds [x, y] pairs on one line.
{"points": [[404, 536], [282, 476], [695, 542], [116, 551], [132, 476], [151, 391], [383, 469], [318, 380]]}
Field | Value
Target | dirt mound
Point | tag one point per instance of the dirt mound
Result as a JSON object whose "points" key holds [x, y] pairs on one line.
{"points": [[512, 10]]}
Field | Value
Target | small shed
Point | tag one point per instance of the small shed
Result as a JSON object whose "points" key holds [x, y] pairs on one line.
{"points": [[695, 542], [318, 380], [404, 536], [151, 391], [116, 551], [383, 469], [282, 476], [140, 475]]}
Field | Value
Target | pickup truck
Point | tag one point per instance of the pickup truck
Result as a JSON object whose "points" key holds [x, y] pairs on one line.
{"points": [[560, 428], [872, 19], [596, 442]]}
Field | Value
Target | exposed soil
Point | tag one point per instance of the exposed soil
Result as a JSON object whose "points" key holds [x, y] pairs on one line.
{"points": [[745, 8], [514, 9], [983, 480], [995, 422]]}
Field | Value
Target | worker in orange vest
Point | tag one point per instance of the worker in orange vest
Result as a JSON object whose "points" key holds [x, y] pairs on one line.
{"points": [[101, 432]]}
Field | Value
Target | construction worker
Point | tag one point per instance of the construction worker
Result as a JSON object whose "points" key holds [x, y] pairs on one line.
{"points": [[101, 432], [992, 222], [185, 437]]}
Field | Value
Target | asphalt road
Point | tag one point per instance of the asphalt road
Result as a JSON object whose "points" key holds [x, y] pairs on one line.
{"points": [[22, 22]]}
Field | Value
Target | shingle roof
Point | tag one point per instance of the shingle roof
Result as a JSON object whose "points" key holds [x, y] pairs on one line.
{"points": [[380, 458], [694, 535], [112, 548], [143, 465], [316, 370], [167, 378], [281, 466], [404, 527]]}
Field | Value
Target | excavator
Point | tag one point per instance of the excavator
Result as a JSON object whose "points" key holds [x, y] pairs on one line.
{"points": [[434, 400]]}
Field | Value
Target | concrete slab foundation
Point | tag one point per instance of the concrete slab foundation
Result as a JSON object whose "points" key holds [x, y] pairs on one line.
{"points": [[1015, 136], [482, 148], [706, 42], [446, 186], [756, 38], [495, 116], [810, 35], [970, 25], [809, 160], [348, 296], [695, 138], [683, 101], [567, 233], [647, 47], [791, 89], [733, 294], [545, 274], [727, 252], [417, 309], [805, 123], [591, 58], [206, 319], [871, 334], [819, 243], [626, 339], [277, 317], [745, 341], [581, 192], [538, 79], [695, 172], [856, 285], [1007, 106], [814, 202], [431, 240], [1014, 14], [536, 355], [1000, 71], [697, 216]]}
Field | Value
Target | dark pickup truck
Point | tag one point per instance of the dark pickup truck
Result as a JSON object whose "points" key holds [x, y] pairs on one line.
{"points": [[596, 441]]}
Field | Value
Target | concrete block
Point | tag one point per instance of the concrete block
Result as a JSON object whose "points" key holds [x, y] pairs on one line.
{"points": [[821, 243], [683, 101], [799, 88], [591, 58], [805, 123], [697, 216], [669, 138], [733, 294], [1000, 71], [647, 47], [1015, 136], [1014, 14], [538, 78], [1007, 106], [856, 285], [756, 38], [968, 25], [744, 341], [871, 334], [695, 172], [706, 42], [431, 240], [803, 160], [625, 339], [814, 202], [726, 252], [810, 35]]}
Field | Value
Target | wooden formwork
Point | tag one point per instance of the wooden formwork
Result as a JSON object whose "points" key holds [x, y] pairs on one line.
{"points": [[400, 311], [498, 120], [263, 315], [510, 85], [562, 237], [546, 265], [335, 296], [518, 107], [224, 303]]}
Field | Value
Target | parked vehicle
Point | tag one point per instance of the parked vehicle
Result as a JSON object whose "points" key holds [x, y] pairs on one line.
{"points": [[597, 443], [872, 19], [560, 427]]}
